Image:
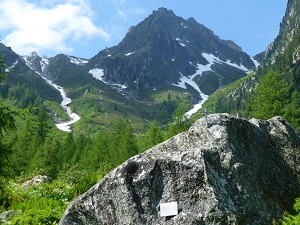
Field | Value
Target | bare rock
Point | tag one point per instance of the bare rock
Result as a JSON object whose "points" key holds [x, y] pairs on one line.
{"points": [[5, 217], [232, 171], [39, 179]]}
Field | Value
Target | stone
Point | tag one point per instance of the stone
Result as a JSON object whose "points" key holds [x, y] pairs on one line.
{"points": [[233, 171], [7, 216], [39, 179]]}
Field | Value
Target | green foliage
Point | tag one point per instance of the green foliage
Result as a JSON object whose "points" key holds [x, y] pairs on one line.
{"points": [[6, 118], [40, 216], [55, 110], [154, 135], [180, 121], [43, 204], [7, 123], [85, 184], [122, 141], [294, 218], [271, 96], [23, 97]]}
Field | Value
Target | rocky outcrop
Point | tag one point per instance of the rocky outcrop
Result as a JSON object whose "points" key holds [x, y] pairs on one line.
{"points": [[232, 171], [37, 180], [5, 217]]}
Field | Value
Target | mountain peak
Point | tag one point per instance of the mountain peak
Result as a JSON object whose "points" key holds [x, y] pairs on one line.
{"points": [[164, 11], [33, 54], [181, 46]]}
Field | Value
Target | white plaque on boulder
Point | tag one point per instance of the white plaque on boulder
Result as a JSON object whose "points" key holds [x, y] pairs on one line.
{"points": [[168, 209]]}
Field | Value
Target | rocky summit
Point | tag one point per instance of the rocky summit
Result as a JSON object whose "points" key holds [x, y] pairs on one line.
{"points": [[225, 170]]}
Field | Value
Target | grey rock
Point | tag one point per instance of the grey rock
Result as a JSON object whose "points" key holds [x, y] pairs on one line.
{"points": [[7, 216], [39, 179], [232, 171]]}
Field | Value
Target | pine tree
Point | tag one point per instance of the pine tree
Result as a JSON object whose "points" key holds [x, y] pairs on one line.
{"points": [[180, 121], [51, 162], [122, 141], [271, 96], [22, 148], [154, 135], [7, 123]]}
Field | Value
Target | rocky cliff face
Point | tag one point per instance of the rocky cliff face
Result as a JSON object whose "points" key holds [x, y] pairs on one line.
{"points": [[289, 30], [232, 171]]}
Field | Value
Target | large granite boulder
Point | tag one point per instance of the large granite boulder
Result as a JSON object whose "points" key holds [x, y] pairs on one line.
{"points": [[232, 171]]}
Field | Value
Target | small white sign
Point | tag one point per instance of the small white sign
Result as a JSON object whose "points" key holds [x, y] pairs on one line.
{"points": [[168, 209]]}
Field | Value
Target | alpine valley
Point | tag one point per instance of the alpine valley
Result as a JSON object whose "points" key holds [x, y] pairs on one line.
{"points": [[108, 140], [162, 61]]}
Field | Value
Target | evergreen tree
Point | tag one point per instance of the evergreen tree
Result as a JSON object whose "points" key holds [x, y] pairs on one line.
{"points": [[96, 153], [7, 123], [122, 141], [180, 121], [68, 148], [292, 112], [154, 135], [22, 147], [51, 162], [42, 124], [81, 142], [271, 96]]}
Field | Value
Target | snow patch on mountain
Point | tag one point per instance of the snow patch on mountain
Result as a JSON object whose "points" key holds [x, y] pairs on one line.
{"points": [[44, 62], [181, 42], [99, 75], [13, 65], [196, 107], [200, 69], [66, 126], [241, 67], [130, 53], [211, 59], [77, 61], [256, 63]]}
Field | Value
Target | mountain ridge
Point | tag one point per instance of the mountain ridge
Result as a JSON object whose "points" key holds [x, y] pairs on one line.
{"points": [[162, 54], [165, 45]]}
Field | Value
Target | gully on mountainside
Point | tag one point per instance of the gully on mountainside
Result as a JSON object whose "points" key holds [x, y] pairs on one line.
{"points": [[66, 126]]}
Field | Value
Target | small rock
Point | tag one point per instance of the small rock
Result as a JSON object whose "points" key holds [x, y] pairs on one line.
{"points": [[39, 179]]}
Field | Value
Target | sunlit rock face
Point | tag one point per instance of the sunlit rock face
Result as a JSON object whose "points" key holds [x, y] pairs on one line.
{"points": [[225, 170]]}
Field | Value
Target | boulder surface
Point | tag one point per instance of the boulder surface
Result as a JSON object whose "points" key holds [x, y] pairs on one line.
{"points": [[228, 171]]}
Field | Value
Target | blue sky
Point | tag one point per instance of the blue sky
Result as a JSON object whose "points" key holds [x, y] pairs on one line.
{"points": [[84, 27]]}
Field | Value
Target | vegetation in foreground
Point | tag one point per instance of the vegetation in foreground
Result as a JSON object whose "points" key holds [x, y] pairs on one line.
{"points": [[31, 145]]}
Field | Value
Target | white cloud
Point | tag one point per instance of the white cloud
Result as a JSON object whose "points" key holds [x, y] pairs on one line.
{"points": [[125, 14], [47, 25]]}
